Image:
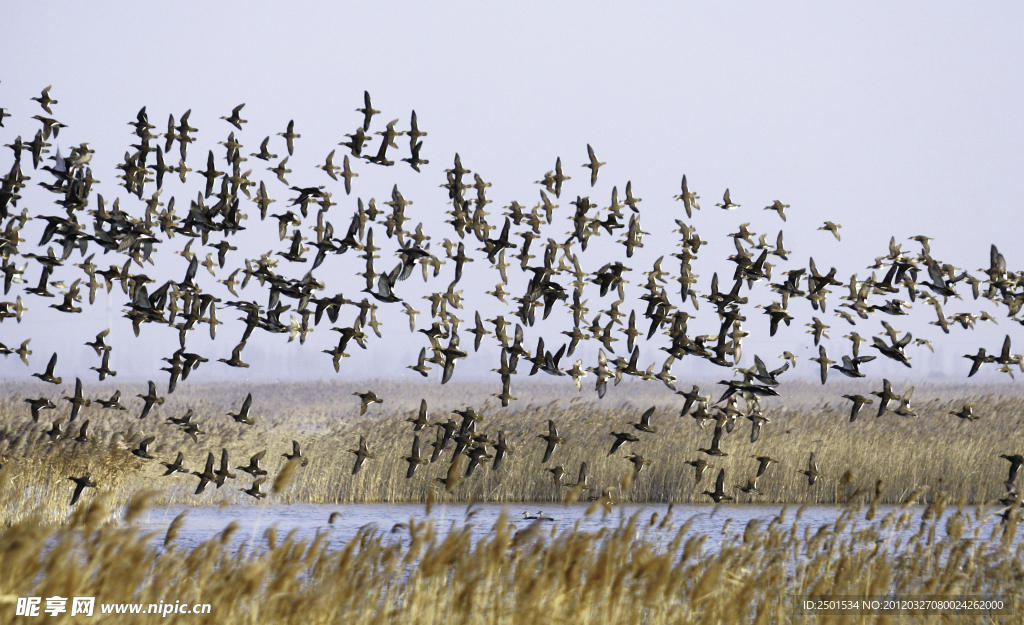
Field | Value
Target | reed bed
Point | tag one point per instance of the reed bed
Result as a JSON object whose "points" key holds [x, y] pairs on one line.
{"points": [[523, 574], [937, 450]]}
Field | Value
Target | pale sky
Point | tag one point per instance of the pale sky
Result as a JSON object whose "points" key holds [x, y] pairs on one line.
{"points": [[889, 119]]}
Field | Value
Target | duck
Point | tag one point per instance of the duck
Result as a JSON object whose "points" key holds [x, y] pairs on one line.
{"points": [[362, 454], [719, 495], [367, 398], [811, 472], [81, 483], [242, 416], [206, 476], [254, 490], [176, 466], [644, 425], [296, 455], [553, 440], [142, 451], [727, 203], [594, 165], [47, 376], [415, 459], [235, 120]]}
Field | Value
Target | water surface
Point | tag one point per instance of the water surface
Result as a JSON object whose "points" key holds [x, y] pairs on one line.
{"points": [[718, 523]]}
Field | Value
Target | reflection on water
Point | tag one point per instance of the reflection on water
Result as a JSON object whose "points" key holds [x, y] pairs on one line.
{"points": [[718, 523]]}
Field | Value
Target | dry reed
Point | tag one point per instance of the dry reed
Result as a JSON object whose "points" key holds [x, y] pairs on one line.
{"points": [[938, 451], [640, 571]]}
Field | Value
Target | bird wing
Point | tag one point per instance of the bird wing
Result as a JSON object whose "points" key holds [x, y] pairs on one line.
{"points": [[645, 418]]}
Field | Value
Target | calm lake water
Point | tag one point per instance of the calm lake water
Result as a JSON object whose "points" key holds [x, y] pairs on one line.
{"points": [[203, 523]]}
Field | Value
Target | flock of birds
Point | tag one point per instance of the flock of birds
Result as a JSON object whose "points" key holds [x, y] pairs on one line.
{"points": [[555, 280]]}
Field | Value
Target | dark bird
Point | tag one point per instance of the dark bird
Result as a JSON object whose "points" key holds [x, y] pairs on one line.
{"points": [[236, 357], [763, 463], [81, 483], [757, 423], [362, 454], [778, 207], [699, 466], [688, 198], [452, 354], [639, 462], [37, 404], [83, 433], [858, 401], [454, 475], [851, 366], [78, 401], [192, 431], [104, 369], [420, 421], [1015, 460], [439, 443], [55, 432], [824, 362], [833, 228], [904, 409], [385, 287], [47, 376], [557, 473], [421, 365], [501, 449], [719, 495], [151, 399], [885, 396], [368, 111], [750, 488], [142, 451], [367, 398], [235, 120], [594, 165], [414, 458], [726, 203], [691, 396], [99, 345], [966, 412], [254, 490], [716, 442], [183, 420], [553, 440], [296, 455], [290, 136], [206, 476], [644, 425], [176, 466], [620, 438], [977, 360], [811, 472], [224, 471], [254, 469], [582, 484], [45, 101], [895, 350], [477, 454], [242, 416], [264, 153], [114, 403]]}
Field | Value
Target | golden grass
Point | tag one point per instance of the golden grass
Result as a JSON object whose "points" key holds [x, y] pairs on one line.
{"points": [[937, 450], [629, 574]]}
